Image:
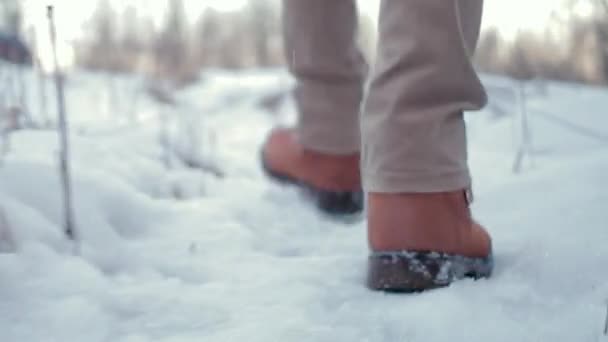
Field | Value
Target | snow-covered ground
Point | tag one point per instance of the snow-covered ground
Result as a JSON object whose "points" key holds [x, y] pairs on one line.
{"points": [[171, 253]]}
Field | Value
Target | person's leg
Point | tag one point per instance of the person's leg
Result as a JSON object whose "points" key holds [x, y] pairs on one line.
{"points": [[413, 126], [322, 152], [322, 53], [414, 140]]}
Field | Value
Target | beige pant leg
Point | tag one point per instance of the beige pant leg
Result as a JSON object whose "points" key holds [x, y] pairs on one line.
{"points": [[413, 129], [322, 54]]}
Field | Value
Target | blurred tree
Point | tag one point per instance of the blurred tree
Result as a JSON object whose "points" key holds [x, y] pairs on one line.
{"points": [[522, 66], [234, 51], [601, 29], [261, 14], [100, 49], [207, 37], [488, 54], [12, 16], [131, 43], [176, 51], [171, 48]]}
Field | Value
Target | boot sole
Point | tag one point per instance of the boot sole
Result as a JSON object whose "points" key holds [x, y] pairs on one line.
{"points": [[347, 205], [408, 272]]}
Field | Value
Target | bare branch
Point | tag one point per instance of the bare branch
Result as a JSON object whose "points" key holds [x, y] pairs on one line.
{"points": [[63, 134]]}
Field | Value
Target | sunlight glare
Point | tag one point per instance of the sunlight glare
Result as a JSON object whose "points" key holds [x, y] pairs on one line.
{"points": [[509, 17], [37, 29], [513, 16], [226, 5]]}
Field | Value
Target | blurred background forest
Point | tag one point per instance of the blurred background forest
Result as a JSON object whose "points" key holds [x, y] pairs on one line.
{"points": [[170, 41]]}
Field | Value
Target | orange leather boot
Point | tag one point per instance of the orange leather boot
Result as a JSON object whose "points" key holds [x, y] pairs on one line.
{"points": [[333, 182], [421, 241]]}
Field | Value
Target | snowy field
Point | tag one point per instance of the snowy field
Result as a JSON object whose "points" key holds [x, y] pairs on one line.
{"points": [[216, 252]]}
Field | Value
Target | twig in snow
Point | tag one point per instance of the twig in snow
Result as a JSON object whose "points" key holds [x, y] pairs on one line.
{"points": [[63, 133], [272, 102], [161, 94], [19, 88], [192, 159], [132, 105], [202, 165], [11, 123], [41, 78], [525, 147], [606, 321], [7, 243], [164, 139], [28, 121], [191, 154]]}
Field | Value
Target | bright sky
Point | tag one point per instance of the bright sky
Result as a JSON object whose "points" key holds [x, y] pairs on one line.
{"points": [[509, 16], [71, 16]]}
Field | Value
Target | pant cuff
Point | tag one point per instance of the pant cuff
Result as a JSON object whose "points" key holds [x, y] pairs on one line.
{"points": [[401, 183], [327, 141]]}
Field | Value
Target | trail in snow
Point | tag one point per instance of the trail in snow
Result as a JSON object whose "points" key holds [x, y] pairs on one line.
{"points": [[242, 258]]}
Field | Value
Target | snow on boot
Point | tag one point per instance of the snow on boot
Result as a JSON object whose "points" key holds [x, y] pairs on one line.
{"points": [[423, 241]]}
